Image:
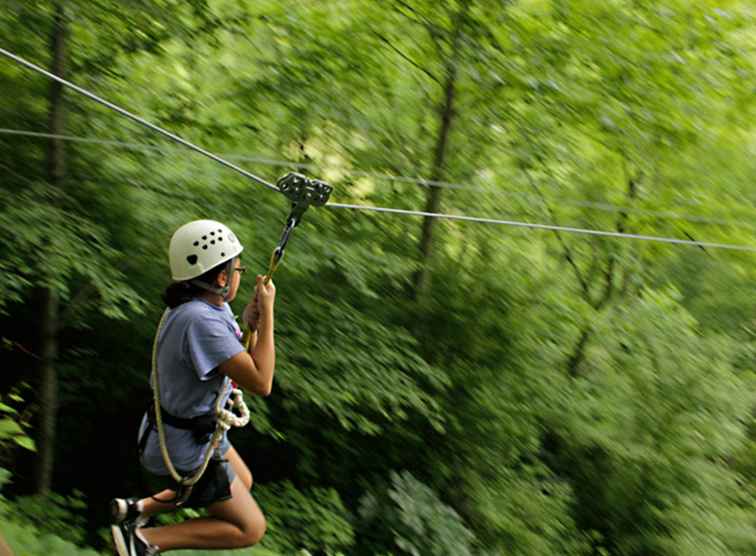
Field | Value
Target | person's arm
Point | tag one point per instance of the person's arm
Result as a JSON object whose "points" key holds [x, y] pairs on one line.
{"points": [[253, 369]]}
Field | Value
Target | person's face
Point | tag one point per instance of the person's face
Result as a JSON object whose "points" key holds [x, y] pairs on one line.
{"points": [[235, 278]]}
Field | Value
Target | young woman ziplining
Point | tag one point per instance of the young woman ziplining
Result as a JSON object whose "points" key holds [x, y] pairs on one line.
{"points": [[199, 357]]}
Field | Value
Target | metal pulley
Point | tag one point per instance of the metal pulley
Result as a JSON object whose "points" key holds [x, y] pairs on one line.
{"points": [[303, 192]]}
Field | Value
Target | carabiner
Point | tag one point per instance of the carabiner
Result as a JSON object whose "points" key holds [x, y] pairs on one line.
{"points": [[303, 192]]}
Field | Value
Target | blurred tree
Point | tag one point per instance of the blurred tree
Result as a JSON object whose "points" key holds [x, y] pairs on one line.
{"points": [[58, 250], [551, 394], [407, 518]]}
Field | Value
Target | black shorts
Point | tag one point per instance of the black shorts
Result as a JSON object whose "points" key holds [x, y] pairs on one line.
{"points": [[213, 486]]}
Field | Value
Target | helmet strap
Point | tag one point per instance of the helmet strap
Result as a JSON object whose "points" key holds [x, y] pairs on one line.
{"points": [[215, 289]]}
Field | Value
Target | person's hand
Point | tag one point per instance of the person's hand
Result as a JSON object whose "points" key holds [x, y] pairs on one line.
{"points": [[251, 313], [265, 294]]}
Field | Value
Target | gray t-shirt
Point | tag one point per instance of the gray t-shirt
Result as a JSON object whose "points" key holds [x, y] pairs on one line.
{"points": [[196, 337]]}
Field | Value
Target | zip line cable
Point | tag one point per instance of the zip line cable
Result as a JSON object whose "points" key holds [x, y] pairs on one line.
{"points": [[138, 119], [514, 223], [605, 207], [481, 220], [552, 227]]}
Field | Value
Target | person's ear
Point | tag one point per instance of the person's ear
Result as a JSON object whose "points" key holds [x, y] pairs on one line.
{"points": [[222, 278]]}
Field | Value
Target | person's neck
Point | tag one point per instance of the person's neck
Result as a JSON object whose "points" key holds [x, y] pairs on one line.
{"points": [[213, 298]]}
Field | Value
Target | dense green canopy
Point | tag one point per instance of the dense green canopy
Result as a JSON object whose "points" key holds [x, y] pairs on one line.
{"points": [[443, 387]]}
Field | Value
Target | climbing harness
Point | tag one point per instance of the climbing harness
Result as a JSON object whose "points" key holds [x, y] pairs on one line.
{"points": [[302, 192], [213, 425]]}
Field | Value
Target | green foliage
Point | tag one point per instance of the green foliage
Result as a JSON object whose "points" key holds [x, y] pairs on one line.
{"points": [[408, 518], [313, 519], [25, 540], [14, 425], [650, 390], [553, 393], [20, 521], [526, 511], [64, 247], [349, 384], [60, 516]]}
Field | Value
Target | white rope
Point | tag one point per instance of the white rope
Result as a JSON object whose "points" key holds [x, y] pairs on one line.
{"points": [[568, 229], [227, 418]]}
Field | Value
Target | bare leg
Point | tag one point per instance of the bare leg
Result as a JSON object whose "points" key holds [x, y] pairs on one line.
{"points": [[151, 506], [241, 469], [233, 523]]}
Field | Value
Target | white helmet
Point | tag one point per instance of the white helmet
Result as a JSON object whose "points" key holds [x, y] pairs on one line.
{"points": [[199, 246]]}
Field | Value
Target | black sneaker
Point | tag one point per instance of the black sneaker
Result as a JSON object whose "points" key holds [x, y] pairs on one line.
{"points": [[127, 543], [125, 510]]}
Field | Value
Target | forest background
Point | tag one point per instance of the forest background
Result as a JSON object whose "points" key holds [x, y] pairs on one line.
{"points": [[443, 387]]}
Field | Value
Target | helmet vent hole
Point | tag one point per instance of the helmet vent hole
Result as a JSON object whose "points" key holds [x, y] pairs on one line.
{"points": [[204, 237], [223, 254], [204, 247], [192, 259], [220, 239], [212, 233], [196, 243], [212, 242]]}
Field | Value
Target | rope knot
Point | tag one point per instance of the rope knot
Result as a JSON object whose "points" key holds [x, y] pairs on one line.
{"points": [[227, 418]]}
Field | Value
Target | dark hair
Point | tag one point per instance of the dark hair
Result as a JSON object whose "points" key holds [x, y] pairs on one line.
{"points": [[181, 292]]}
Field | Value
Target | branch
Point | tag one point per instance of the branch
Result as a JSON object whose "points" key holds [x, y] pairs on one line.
{"points": [[565, 248], [577, 356], [632, 191], [406, 57], [690, 237], [420, 19], [20, 347]]}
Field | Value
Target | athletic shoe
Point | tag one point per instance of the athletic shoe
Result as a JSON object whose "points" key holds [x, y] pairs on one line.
{"points": [[125, 510], [127, 542]]}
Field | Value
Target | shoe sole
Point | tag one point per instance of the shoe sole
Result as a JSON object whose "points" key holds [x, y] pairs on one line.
{"points": [[119, 543]]}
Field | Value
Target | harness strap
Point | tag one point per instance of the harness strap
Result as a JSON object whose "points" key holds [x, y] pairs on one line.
{"points": [[201, 426]]}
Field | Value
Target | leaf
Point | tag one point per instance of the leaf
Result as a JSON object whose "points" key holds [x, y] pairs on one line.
{"points": [[25, 442], [9, 427]]}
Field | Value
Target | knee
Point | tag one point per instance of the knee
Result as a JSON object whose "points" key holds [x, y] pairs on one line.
{"points": [[255, 531]]}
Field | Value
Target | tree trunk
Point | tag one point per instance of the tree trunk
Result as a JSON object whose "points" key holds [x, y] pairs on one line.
{"points": [[49, 318], [433, 201]]}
